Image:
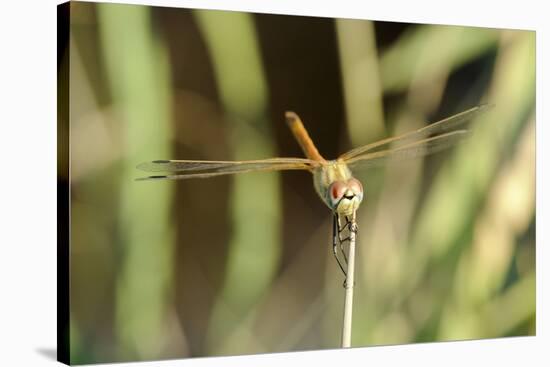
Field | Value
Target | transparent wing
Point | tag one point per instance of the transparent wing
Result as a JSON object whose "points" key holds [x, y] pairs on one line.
{"points": [[184, 169], [446, 125], [409, 151]]}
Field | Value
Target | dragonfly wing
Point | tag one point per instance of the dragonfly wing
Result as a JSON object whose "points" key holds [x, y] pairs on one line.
{"points": [[454, 122], [409, 151], [183, 169]]}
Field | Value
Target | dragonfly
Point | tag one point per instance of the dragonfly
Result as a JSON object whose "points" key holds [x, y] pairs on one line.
{"points": [[333, 180]]}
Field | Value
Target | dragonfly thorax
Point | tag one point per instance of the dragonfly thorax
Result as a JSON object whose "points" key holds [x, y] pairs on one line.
{"points": [[336, 186]]}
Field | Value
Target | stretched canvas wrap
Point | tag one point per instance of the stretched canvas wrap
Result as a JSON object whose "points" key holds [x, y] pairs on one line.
{"points": [[426, 237]]}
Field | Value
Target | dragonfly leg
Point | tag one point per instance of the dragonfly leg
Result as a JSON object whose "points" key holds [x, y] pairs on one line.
{"points": [[352, 227], [340, 239], [336, 242]]}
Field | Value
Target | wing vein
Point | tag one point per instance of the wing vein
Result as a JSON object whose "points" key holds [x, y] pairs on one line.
{"points": [[412, 150], [199, 165], [444, 125]]}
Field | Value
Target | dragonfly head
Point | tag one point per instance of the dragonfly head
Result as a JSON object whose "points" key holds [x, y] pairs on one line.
{"points": [[344, 197]]}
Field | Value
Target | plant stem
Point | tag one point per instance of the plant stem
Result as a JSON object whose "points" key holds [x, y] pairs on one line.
{"points": [[348, 301]]}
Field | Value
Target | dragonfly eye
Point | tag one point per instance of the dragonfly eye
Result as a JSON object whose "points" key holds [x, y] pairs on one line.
{"points": [[355, 186], [337, 190]]}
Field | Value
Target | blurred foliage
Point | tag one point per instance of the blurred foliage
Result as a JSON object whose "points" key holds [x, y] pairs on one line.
{"points": [[232, 44], [137, 75], [232, 265]]}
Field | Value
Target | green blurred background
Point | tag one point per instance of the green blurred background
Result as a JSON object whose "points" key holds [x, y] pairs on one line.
{"points": [[243, 264]]}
